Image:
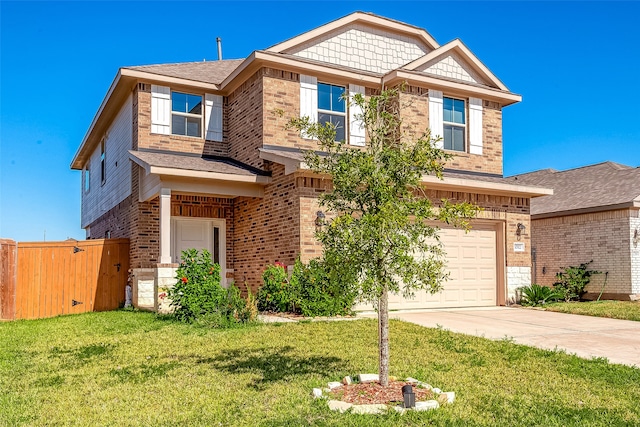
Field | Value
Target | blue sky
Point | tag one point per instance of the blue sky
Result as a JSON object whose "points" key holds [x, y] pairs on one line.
{"points": [[576, 64]]}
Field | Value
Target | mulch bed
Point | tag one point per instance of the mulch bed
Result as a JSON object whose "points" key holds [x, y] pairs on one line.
{"points": [[370, 393]]}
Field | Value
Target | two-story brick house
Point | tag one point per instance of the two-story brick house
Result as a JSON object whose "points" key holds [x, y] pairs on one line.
{"points": [[195, 155]]}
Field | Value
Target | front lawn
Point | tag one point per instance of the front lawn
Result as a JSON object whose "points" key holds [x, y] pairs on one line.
{"points": [[627, 310], [125, 368]]}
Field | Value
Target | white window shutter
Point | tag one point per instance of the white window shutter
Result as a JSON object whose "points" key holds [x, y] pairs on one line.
{"points": [[356, 126], [160, 110], [308, 98], [213, 117], [475, 126], [436, 116]]}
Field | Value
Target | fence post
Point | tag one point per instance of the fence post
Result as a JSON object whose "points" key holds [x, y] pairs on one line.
{"points": [[8, 277]]}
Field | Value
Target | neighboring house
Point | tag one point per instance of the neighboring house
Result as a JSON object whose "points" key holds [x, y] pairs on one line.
{"points": [[195, 155], [593, 214]]}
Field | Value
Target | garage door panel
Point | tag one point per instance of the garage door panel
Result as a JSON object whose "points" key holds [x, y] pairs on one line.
{"points": [[471, 263]]}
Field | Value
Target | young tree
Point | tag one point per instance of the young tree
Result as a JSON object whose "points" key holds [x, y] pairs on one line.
{"points": [[381, 216]]}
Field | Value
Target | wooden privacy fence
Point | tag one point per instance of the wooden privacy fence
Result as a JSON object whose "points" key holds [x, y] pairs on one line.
{"points": [[46, 279]]}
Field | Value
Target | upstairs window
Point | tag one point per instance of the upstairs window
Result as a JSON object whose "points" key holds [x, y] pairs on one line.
{"points": [[186, 114], [87, 179], [454, 124], [332, 108], [103, 163]]}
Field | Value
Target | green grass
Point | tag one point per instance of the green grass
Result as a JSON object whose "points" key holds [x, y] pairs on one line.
{"points": [[627, 310], [127, 368]]}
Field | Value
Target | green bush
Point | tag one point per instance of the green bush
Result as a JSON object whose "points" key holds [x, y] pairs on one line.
{"points": [[319, 293], [276, 293], [311, 291], [536, 295], [571, 282], [198, 296]]}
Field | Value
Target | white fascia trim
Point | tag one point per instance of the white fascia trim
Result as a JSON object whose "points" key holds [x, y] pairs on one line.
{"points": [[471, 185], [485, 93], [103, 104], [185, 173], [168, 80], [260, 59]]}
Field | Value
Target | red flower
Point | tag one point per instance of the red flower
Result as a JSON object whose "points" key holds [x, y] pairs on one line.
{"points": [[279, 264], [184, 280]]}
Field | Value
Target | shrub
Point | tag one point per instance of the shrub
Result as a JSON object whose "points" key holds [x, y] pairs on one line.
{"points": [[311, 291], [198, 295], [571, 282], [276, 293], [536, 295], [319, 292]]}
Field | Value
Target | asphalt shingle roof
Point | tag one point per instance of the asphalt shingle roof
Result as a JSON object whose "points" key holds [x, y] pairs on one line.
{"points": [[194, 163], [595, 186], [206, 71]]}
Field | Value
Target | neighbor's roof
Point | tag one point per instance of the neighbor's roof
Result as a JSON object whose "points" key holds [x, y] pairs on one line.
{"points": [[206, 71], [599, 187]]}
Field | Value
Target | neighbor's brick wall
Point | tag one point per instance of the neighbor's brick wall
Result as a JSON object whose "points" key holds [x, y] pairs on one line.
{"points": [[635, 253], [603, 237]]}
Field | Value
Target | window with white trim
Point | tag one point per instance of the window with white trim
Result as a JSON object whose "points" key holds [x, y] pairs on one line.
{"points": [[332, 108], [186, 114], [454, 124], [87, 179], [103, 161]]}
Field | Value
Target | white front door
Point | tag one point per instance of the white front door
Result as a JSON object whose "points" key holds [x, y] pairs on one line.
{"points": [[196, 233]]}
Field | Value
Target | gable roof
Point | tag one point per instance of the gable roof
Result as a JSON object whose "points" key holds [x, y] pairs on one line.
{"points": [[456, 47], [593, 188], [355, 18], [213, 72]]}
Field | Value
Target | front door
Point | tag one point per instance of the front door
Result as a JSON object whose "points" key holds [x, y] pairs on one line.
{"points": [[196, 233]]}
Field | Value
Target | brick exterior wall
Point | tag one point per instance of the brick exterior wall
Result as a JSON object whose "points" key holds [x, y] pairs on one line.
{"points": [[414, 102], [245, 121], [191, 206], [635, 252], [281, 225], [143, 138], [266, 229], [603, 237]]}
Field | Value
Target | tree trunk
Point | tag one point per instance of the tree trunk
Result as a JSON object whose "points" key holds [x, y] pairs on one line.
{"points": [[383, 336]]}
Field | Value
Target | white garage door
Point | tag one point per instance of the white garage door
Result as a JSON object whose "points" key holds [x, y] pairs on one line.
{"points": [[471, 262]]}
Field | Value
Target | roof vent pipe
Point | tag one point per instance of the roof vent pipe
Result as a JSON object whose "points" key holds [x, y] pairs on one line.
{"points": [[219, 41]]}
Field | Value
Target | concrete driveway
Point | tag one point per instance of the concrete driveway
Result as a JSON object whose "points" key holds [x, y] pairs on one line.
{"points": [[617, 340]]}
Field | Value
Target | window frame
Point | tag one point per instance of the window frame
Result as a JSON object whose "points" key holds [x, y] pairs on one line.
{"points": [[344, 115], [464, 126], [188, 115], [86, 180], [103, 161]]}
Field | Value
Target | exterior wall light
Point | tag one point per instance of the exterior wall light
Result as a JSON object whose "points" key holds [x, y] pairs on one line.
{"points": [[520, 229], [636, 238]]}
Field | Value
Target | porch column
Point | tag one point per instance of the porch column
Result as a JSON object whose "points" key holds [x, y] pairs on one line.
{"points": [[165, 226]]}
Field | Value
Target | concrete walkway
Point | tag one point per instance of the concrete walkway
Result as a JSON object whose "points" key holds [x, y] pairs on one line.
{"points": [[617, 340]]}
